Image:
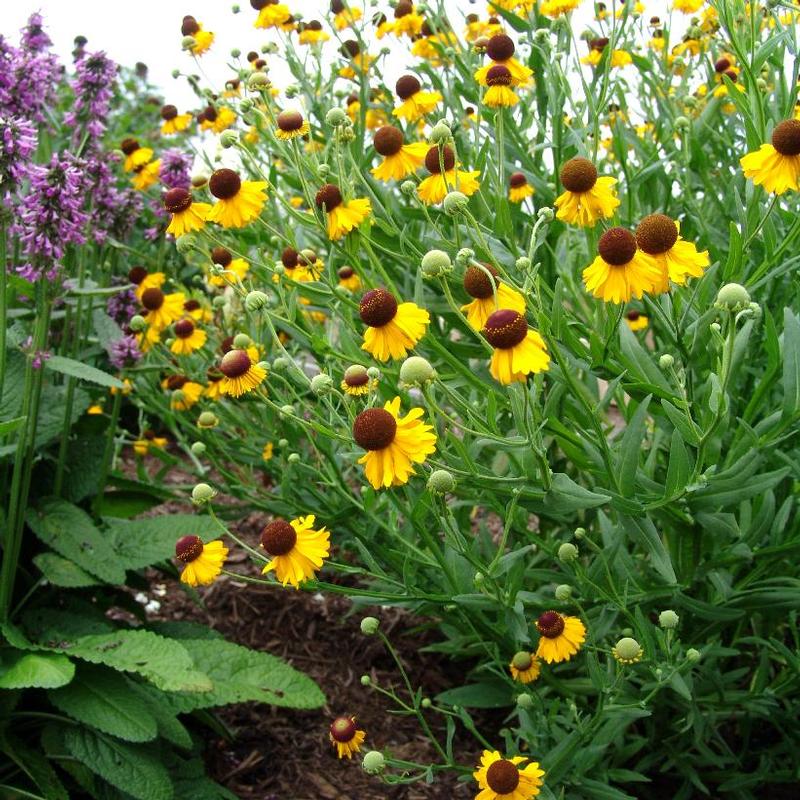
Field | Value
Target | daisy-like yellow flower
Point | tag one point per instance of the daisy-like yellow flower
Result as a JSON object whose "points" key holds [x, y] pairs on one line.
{"points": [[619, 58], [435, 187], [203, 562], [359, 62], [267, 452], [676, 259], [621, 270], [185, 393], [95, 409], [407, 22], [499, 94], [216, 119], [144, 280], [202, 39], [518, 351], [197, 311], [483, 289], [416, 103], [557, 8], [145, 176], [300, 266], [393, 443], [239, 202], [348, 279], [161, 310], [393, 329], [188, 337], [501, 50], [236, 269], [636, 321], [431, 45], [399, 160], [312, 33], [776, 166], [342, 217], [518, 187], [344, 16], [357, 382], [297, 550], [586, 198], [135, 155], [291, 125], [271, 13], [241, 375], [173, 121], [187, 215], [561, 637], [525, 667], [688, 6], [346, 737], [502, 778], [142, 446], [214, 388]]}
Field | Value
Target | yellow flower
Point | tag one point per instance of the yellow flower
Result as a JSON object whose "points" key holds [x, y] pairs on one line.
{"points": [[776, 166], [416, 103], [203, 562], [636, 321], [557, 8], [187, 215], [188, 338], [357, 382], [173, 121], [407, 22], [312, 33], [344, 16], [266, 453], [216, 120], [197, 311], [96, 409], [345, 736], [618, 58], [561, 637], [349, 279], [142, 446], [675, 258], [525, 667], [500, 94], [240, 202], [145, 280], [586, 198], [214, 388], [272, 15], [342, 217], [202, 39], [621, 270], [688, 6], [518, 187], [161, 310], [518, 351], [479, 286], [185, 393], [435, 187], [393, 444], [241, 375], [234, 269], [297, 550], [392, 329], [501, 50], [399, 160], [502, 779], [135, 156], [145, 176], [291, 125]]}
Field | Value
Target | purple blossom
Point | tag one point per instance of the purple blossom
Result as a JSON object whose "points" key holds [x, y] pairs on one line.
{"points": [[17, 143], [50, 216], [124, 352], [33, 38], [93, 85], [114, 210], [123, 305], [28, 77], [174, 169]]}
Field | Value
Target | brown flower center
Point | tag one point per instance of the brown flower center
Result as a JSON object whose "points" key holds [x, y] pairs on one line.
{"points": [[191, 305], [786, 137], [498, 75], [314, 25], [175, 382], [129, 146], [406, 86], [500, 47], [226, 345], [403, 8], [235, 363], [345, 273], [189, 26], [505, 329], [578, 175], [377, 308], [184, 328], [337, 6], [502, 776], [599, 44], [221, 256], [632, 316], [224, 184], [388, 140], [517, 179], [137, 275], [434, 165], [214, 375], [210, 114], [550, 624], [169, 112], [290, 121], [656, 234], [343, 729], [328, 197], [177, 200], [374, 429], [289, 258], [356, 377], [278, 538], [722, 65], [477, 283], [350, 48], [152, 298], [188, 548], [617, 246]]}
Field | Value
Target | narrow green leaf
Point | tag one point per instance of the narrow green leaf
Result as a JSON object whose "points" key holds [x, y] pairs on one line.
{"points": [[791, 364], [644, 533], [85, 372], [630, 448]]}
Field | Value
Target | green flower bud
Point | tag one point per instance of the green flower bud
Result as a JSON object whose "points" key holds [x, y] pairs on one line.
{"points": [[440, 133], [235, 8], [580, 533], [242, 341], [373, 762], [464, 255], [370, 625], [323, 170], [255, 301], [479, 579], [374, 373], [208, 419], [138, 323], [365, 680], [259, 80], [454, 203], [408, 187], [666, 361], [264, 365], [522, 660], [188, 42], [293, 458], [228, 138], [523, 263], [283, 443], [219, 301], [627, 650], [246, 104], [668, 619], [524, 701], [567, 552], [682, 124], [441, 481], [436, 263], [291, 91], [426, 702], [546, 214], [179, 395], [280, 363], [203, 493], [563, 592], [199, 179], [416, 371], [198, 448], [733, 296], [176, 73], [287, 410], [336, 117], [693, 656], [186, 244], [321, 384]]}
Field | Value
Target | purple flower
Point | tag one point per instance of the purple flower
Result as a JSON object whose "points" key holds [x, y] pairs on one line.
{"points": [[17, 144], [174, 169], [123, 305], [124, 352], [33, 38], [93, 85], [28, 77], [114, 210]]}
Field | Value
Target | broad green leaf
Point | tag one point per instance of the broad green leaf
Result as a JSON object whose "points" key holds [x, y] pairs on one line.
{"points": [[631, 447], [102, 698], [11, 425], [20, 670], [85, 372], [644, 533], [478, 695], [566, 496], [63, 572], [791, 363]]}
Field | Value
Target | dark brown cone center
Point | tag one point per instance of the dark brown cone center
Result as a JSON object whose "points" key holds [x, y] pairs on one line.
{"points": [[477, 283], [224, 184], [505, 329], [169, 112], [137, 275], [578, 175], [177, 200], [221, 256], [498, 75], [153, 298], [191, 305], [388, 140], [617, 246], [129, 146], [175, 382], [406, 86], [374, 429], [355, 379], [278, 538], [343, 729], [328, 197], [345, 273], [550, 624], [289, 121], [289, 258], [189, 26], [235, 363], [786, 137], [377, 308], [434, 165], [516, 180], [500, 47], [184, 328], [656, 234], [188, 548], [502, 776]]}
